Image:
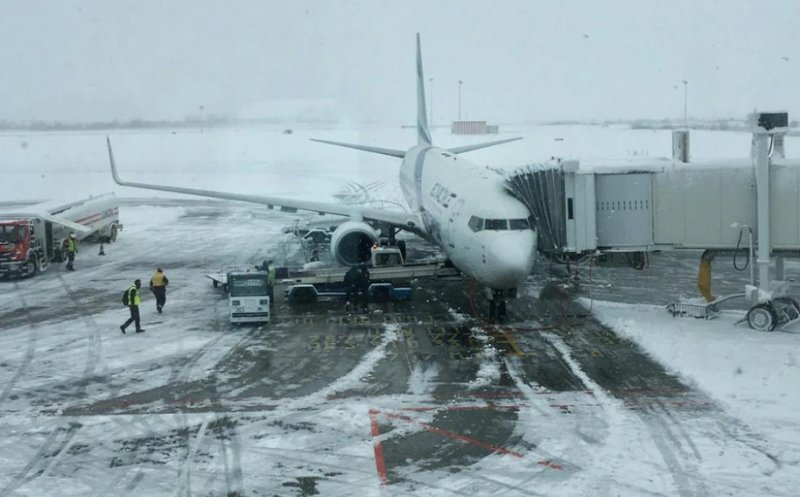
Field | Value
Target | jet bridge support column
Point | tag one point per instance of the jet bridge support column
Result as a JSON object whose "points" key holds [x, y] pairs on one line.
{"points": [[762, 210]]}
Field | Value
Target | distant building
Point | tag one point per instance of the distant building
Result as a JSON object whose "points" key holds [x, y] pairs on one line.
{"points": [[473, 128]]}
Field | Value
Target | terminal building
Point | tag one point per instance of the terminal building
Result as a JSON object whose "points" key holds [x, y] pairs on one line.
{"points": [[473, 128]]}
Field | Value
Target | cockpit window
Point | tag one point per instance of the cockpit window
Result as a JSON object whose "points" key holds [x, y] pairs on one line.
{"points": [[496, 224], [475, 223], [518, 224], [480, 224]]}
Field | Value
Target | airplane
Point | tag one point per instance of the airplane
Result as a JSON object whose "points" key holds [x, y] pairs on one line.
{"points": [[461, 207]]}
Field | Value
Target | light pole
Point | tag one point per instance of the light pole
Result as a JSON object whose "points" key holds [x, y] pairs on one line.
{"points": [[685, 102], [431, 81], [459, 98]]}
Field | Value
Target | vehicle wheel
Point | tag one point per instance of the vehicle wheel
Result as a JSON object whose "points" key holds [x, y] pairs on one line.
{"points": [[762, 318], [215, 283], [32, 266], [113, 236], [380, 294]]}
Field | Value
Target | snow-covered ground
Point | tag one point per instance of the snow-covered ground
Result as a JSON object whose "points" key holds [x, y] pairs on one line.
{"points": [[753, 375], [197, 407]]}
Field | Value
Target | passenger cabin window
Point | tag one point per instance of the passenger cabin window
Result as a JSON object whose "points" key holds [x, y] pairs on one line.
{"points": [[475, 223], [496, 224]]}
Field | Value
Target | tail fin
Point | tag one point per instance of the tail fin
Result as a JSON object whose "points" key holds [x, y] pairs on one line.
{"points": [[423, 133]]}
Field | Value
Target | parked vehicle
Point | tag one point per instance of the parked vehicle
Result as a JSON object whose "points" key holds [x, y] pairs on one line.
{"points": [[32, 239]]}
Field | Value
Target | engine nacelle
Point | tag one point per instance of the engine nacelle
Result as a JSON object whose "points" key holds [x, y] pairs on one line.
{"points": [[351, 242]]}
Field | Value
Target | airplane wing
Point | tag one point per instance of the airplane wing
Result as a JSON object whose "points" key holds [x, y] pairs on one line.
{"points": [[408, 221]]}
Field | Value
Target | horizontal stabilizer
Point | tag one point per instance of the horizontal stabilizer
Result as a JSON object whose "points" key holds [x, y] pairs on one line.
{"points": [[476, 146], [365, 148]]}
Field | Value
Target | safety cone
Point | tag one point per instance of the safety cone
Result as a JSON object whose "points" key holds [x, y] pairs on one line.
{"points": [[101, 250]]}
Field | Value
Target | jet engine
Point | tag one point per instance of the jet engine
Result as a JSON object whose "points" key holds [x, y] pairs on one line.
{"points": [[351, 242]]}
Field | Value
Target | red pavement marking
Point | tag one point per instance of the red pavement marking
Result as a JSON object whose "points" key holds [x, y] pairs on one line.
{"points": [[456, 436], [381, 465], [512, 407], [379, 462], [551, 465]]}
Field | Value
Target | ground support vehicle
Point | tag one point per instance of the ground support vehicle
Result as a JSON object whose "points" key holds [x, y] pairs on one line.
{"points": [[32, 239], [390, 279], [248, 296]]}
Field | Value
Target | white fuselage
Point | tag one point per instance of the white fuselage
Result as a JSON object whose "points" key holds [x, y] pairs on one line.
{"points": [[466, 211]]}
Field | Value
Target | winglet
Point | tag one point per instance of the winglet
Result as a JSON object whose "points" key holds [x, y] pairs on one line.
{"points": [[113, 165], [423, 132]]}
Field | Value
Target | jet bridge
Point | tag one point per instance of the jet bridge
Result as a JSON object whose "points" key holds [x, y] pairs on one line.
{"points": [[670, 204]]}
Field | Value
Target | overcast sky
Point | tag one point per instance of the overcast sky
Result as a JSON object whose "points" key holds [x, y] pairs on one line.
{"points": [[523, 60]]}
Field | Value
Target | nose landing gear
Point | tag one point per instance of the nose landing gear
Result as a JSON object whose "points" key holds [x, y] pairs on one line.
{"points": [[497, 305]]}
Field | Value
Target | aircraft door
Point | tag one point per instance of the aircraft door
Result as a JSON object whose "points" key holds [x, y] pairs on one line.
{"points": [[452, 223]]}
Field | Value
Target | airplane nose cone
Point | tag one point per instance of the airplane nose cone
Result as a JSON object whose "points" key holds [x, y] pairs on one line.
{"points": [[512, 259]]}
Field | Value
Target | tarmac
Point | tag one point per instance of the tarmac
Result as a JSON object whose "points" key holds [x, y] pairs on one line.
{"points": [[440, 396]]}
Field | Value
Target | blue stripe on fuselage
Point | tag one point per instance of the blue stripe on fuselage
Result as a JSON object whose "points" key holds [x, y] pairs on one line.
{"points": [[418, 165]]}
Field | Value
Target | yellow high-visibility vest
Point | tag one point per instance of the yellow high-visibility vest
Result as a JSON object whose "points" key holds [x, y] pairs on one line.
{"points": [[157, 279], [133, 296]]}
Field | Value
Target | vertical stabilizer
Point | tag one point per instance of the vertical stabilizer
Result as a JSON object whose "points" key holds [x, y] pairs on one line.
{"points": [[423, 133]]}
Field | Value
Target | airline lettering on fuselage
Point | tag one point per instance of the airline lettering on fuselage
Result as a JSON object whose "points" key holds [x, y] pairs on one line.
{"points": [[442, 195]]}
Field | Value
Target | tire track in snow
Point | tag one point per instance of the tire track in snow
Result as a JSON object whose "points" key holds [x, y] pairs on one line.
{"points": [[366, 477], [299, 408], [95, 347], [184, 488], [50, 452], [614, 409], [30, 350], [687, 481], [231, 453], [687, 484]]}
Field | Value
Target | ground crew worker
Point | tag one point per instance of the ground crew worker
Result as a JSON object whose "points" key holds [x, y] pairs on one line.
{"points": [[271, 276], [158, 285], [134, 301], [364, 281], [71, 247], [352, 279]]}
